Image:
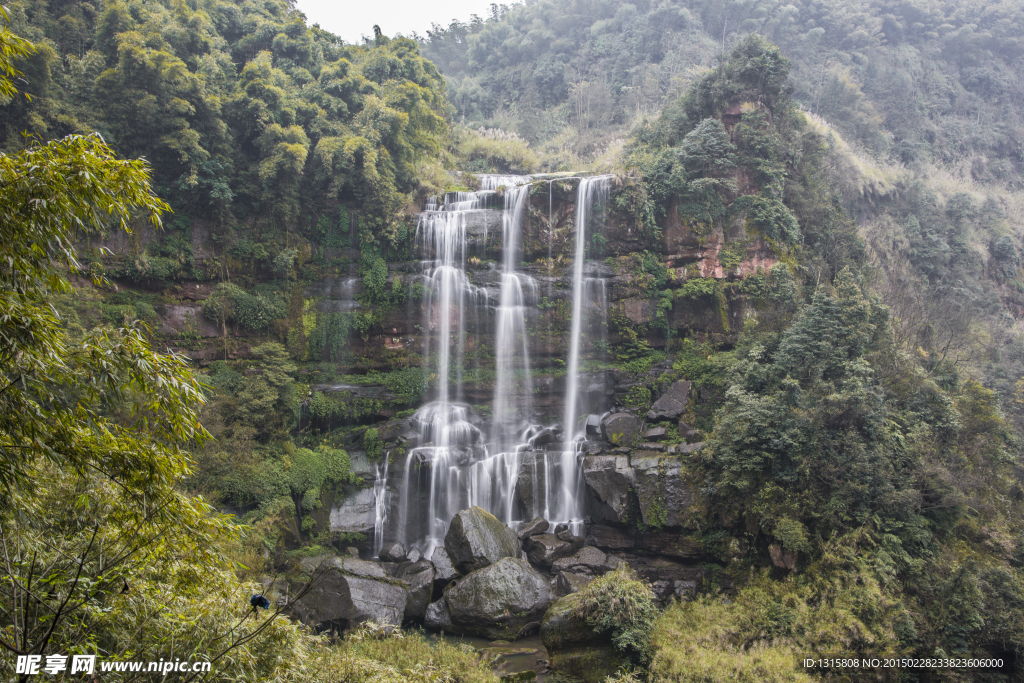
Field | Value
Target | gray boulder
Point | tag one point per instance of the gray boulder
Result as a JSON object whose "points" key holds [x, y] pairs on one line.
{"points": [[589, 561], [339, 600], [505, 600], [661, 492], [419, 579], [567, 582], [393, 552], [438, 617], [608, 479], [673, 403], [476, 539], [621, 429], [593, 425], [542, 550], [356, 513], [413, 555], [655, 433], [537, 526], [444, 570]]}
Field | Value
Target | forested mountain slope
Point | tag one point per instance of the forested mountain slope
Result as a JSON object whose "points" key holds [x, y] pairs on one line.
{"points": [[917, 82]]}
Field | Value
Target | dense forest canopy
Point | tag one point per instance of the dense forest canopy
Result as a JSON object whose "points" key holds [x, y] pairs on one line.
{"points": [[916, 81]]}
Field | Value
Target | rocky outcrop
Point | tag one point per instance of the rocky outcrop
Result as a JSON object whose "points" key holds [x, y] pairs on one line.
{"points": [[573, 647], [542, 550], [567, 582], [393, 552], [673, 402], [621, 429], [356, 514], [588, 561], [534, 528], [476, 539], [340, 598], [504, 600], [437, 616], [444, 570], [419, 579], [608, 479], [660, 491]]}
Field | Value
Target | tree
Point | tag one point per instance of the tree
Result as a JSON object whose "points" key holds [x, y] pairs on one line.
{"points": [[309, 471]]}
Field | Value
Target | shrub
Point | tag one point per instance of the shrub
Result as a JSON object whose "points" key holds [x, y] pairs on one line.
{"points": [[373, 444], [621, 603]]}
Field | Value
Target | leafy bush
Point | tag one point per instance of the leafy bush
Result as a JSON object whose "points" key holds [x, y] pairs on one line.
{"points": [[373, 444], [621, 603], [496, 151]]}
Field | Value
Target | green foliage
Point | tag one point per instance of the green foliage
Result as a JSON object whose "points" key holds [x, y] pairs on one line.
{"points": [[229, 303], [268, 403], [373, 444], [639, 397], [307, 472], [622, 605], [243, 110]]}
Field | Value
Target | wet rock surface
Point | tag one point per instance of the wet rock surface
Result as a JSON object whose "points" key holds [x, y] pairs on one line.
{"points": [[537, 526], [355, 514], [590, 561], [660, 491], [542, 550], [444, 570], [339, 600], [608, 480], [419, 580], [437, 616], [673, 403], [393, 552], [504, 600], [621, 429], [476, 539]]}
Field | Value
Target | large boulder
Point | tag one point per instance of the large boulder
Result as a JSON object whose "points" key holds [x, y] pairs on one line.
{"points": [[476, 539], [393, 552], [356, 513], [673, 402], [419, 579], [444, 570], [609, 537], [621, 429], [542, 550], [339, 599], [534, 528], [573, 647], [505, 600], [661, 492], [608, 479], [437, 617], [589, 561]]}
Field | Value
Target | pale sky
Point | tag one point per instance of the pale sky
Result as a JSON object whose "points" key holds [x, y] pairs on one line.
{"points": [[352, 19]]}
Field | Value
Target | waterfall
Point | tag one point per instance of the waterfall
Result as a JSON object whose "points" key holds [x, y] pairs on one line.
{"points": [[382, 503], [462, 458], [591, 192], [512, 355]]}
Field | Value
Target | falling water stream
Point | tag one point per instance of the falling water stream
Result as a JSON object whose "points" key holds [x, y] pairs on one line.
{"points": [[462, 459]]}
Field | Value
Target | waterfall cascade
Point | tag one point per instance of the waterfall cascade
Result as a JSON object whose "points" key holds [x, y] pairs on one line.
{"points": [[461, 457]]}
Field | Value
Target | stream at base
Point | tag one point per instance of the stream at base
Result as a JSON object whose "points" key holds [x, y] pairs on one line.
{"points": [[523, 655]]}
